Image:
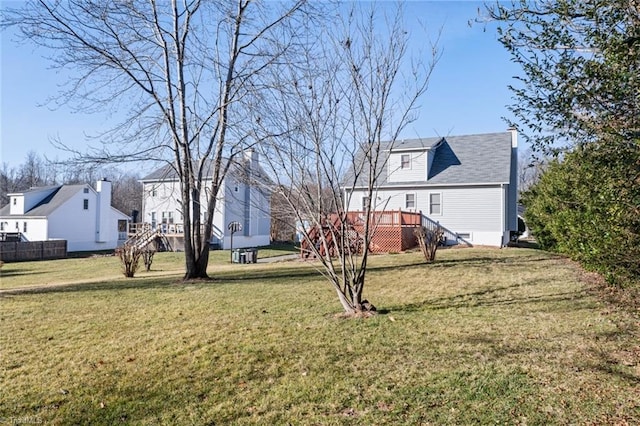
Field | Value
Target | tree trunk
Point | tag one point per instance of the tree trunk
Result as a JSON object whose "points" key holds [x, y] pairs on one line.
{"points": [[197, 269]]}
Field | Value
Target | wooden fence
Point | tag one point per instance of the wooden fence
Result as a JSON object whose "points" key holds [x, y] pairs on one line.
{"points": [[32, 250]]}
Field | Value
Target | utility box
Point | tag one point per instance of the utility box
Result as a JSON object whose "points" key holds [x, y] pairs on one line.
{"points": [[249, 255]]}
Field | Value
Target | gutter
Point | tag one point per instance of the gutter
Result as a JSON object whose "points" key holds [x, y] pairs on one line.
{"points": [[425, 185]]}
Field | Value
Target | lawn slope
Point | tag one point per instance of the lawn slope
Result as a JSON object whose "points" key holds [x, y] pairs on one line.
{"points": [[483, 336]]}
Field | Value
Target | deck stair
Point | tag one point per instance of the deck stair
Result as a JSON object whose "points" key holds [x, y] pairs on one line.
{"points": [[147, 236], [330, 228]]}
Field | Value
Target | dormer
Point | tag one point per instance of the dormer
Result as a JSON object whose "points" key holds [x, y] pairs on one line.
{"points": [[410, 160], [16, 204], [21, 202]]}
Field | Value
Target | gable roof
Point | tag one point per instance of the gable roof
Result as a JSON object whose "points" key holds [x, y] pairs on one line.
{"points": [[238, 168], [472, 159], [458, 160], [60, 195], [416, 144]]}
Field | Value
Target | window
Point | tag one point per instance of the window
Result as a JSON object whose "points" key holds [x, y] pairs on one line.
{"points": [[170, 215], [24, 227], [85, 204], [85, 190], [405, 161], [153, 192], [17, 226], [365, 203], [1, 226], [15, 200], [153, 220], [435, 203], [410, 201]]}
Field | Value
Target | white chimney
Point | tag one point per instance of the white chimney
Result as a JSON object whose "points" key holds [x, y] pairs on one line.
{"points": [[514, 137], [103, 187], [252, 156]]}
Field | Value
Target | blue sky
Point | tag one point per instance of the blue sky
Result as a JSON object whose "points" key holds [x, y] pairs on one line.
{"points": [[467, 92]]}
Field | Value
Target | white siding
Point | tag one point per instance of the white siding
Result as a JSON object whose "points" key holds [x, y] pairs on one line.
{"points": [[230, 207], [416, 172], [36, 228], [28, 200], [16, 204], [161, 197], [470, 210], [73, 223]]}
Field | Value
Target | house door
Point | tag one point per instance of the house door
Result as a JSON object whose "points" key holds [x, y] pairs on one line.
{"points": [[122, 230]]}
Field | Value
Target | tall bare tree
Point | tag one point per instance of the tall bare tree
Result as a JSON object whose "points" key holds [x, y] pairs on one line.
{"points": [[181, 70], [334, 109]]}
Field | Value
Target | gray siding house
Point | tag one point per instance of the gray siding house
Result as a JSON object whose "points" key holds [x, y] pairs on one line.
{"points": [[242, 198], [466, 184]]}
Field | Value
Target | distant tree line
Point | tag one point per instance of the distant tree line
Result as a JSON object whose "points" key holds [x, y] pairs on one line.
{"points": [[37, 171]]}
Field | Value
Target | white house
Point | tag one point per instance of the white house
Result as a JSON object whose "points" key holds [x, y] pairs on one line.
{"points": [[466, 184], [76, 213], [241, 199]]}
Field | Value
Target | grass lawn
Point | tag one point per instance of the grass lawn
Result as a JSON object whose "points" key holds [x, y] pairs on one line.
{"points": [[484, 336]]}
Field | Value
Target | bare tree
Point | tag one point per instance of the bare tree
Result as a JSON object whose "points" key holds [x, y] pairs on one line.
{"points": [[8, 183], [181, 69], [333, 112], [530, 168], [34, 171]]}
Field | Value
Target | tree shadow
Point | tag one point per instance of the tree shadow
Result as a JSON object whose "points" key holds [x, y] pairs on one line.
{"points": [[490, 297], [248, 276], [129, 284], [17, 273]]}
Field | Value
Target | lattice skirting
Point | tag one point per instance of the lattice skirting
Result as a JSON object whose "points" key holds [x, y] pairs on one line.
{"points": [[388, 239]]}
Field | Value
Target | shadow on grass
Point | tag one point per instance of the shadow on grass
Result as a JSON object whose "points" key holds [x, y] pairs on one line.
{"points": [[614, 368], [134, 283], [17, 273], [285, 276], [479, 261], [490, 297]]}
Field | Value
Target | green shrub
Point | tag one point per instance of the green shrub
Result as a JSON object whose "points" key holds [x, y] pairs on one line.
{"points": [[588, 207]]}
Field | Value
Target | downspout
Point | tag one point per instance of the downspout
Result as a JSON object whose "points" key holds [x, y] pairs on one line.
{"points": [[502, 215]]}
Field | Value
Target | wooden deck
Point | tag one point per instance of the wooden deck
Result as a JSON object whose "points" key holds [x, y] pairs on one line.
{"points": [[392, 231]]}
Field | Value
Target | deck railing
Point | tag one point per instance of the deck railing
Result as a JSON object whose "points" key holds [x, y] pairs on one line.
{"points": [[163, 228], [386, 218]]}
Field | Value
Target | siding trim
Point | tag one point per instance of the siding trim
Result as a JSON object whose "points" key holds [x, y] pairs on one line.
{"points": [[426, 185]]}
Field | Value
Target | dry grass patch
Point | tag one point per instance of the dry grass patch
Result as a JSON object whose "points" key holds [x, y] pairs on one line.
{"points": [[480, 337]]}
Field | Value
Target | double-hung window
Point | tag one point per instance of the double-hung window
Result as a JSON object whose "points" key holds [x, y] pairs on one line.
{"points": [[435, 203], [410, 201], [405, 161], [365, 203]]}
